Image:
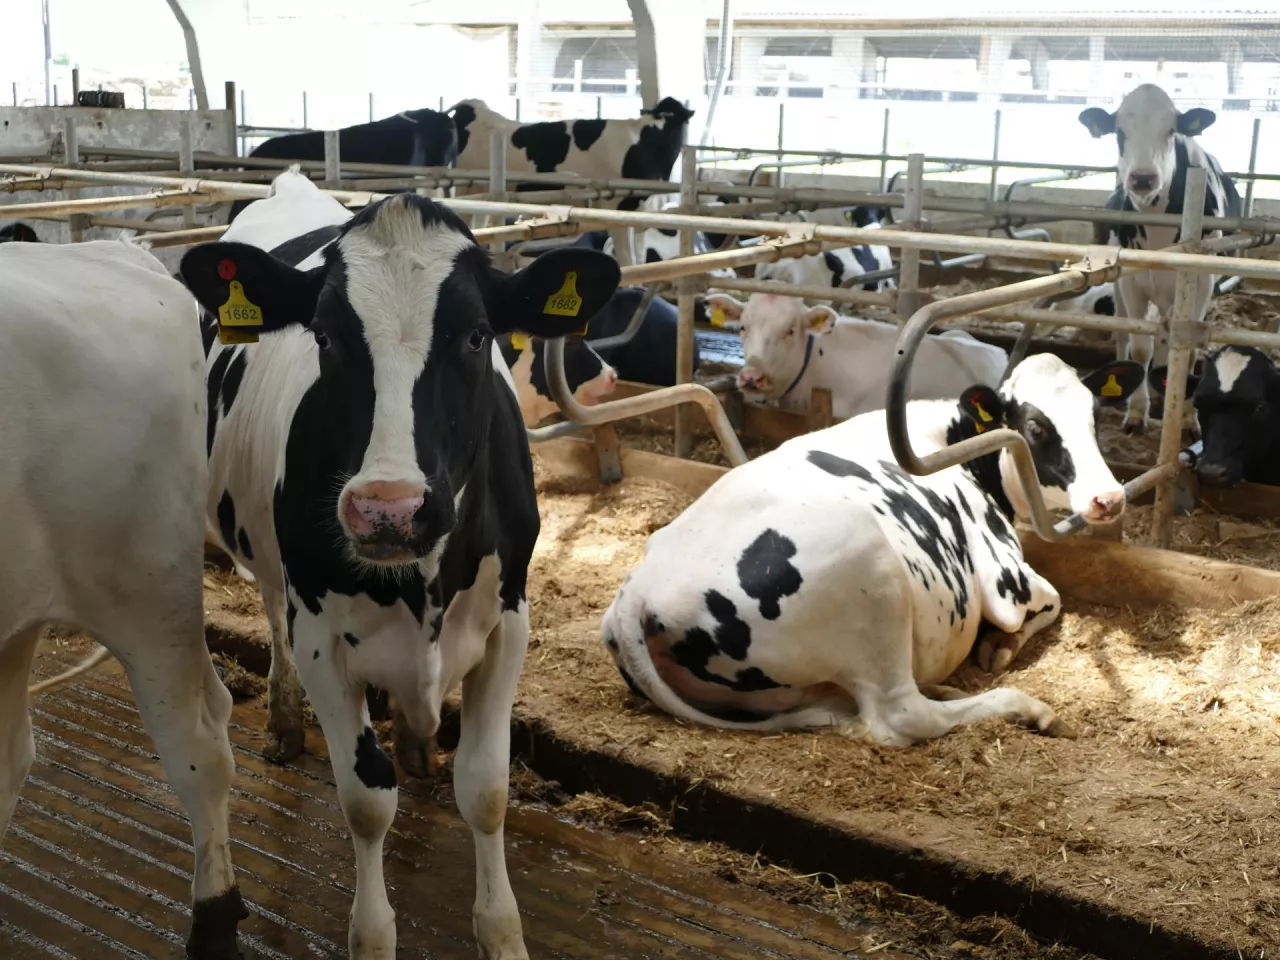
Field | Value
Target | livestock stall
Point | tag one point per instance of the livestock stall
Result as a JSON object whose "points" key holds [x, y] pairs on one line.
{"points": [[1149, 834]]}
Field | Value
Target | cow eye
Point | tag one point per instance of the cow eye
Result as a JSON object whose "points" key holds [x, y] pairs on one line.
{"points": [[475, 340], [790, 332], [322, 339]]}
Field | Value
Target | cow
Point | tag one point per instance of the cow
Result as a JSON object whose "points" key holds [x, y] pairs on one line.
{"points": [[650, 356], [18, 233], [789, 349], [368, 464], [1157, 146], [590, 379], [102, 480], [644, 149], [822, 586], [418, 138], [661, 244], [837, 268], [1236, 397]]}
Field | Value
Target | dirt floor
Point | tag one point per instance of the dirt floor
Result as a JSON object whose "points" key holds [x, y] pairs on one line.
{"points": [[1166, 804]]}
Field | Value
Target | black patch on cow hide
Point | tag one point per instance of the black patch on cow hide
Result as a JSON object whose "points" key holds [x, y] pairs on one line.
{"points": [[352, 639], [835, 265], [242, 541], [733, 636], [587, 132], [766, 574], [631, 684], [373, 767], [290, 615], [695, 651], [227, 520], [545, 144]]}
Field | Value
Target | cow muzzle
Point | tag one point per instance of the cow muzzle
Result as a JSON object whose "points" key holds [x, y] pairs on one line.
{"points": [[599, 387], [1105, 507], [1142, 182], [751, 380], [1216, 474], [381, 518]]}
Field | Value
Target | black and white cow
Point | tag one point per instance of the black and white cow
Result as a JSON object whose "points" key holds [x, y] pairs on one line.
{"points": [[646, 149], [820, 585], [650, 356], [102, 479], [836, 268], [418, 138], [1236, 397], [1156, 148], [590, 379], [368, 464], [18, 233]]}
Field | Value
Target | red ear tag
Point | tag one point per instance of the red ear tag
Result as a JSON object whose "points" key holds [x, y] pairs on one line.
{"points": [[227, 269]]}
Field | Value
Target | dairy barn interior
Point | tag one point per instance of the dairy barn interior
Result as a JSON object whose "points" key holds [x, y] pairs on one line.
{"points": [[521, 377]]}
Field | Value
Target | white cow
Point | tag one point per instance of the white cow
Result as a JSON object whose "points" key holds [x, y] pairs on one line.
{"points": [[102, 478], [789, 349], [820, 585]]}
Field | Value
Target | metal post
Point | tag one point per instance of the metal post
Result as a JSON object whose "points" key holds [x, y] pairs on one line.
{"points": [[995, 160], [191, 99], [371, 106], [1253, 166], [685, 298], [49, 89], [332, 160], [599, 108], [146, 102], [55, 95], [244, 120], [229, 104], [1186, 332], [75, 85], [913, 214], [304, 109], [498, 188], [77, 222], [187, 160], [884, 153], [15, 93], [782, 114]]}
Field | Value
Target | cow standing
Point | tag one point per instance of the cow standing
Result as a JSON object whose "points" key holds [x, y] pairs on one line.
{"points": [[820, 585], [643, 149], [369, 465], [789, 349], [102, 419], [1156, 146]]}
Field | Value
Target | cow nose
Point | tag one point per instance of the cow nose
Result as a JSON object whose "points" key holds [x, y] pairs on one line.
{"points": [[383, 507], [1142, 182], [1106, 506], [750, 378], [1213, 474]]}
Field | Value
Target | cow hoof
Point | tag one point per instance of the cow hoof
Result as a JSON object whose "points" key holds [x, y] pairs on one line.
{"points": [[418, 757], [1057, 728], [284, 746], [213, 927], [1135, 428], [996, 651]]}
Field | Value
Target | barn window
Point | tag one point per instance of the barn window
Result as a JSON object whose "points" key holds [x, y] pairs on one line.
{"points": [[603, 59], [798, 62]]}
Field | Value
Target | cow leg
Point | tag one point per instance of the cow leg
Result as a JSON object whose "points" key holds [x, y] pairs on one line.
{"points": [[997, 649], [185, 709], [481, 770], [17, 747], [366, 780], [1139, 347], [284, 689], [624, 250]]}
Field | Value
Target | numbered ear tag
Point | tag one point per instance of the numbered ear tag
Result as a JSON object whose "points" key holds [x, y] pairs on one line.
{"points": [[1111, 388], [717, 317], [520, 341], [238, 312], [565, 302], [982, 415]]}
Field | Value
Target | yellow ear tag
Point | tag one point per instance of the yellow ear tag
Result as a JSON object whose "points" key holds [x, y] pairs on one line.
{"points": [[1193, 125], [565, 302], [717, 317], [238, 312], [1111, 388], [520, 341], [983, 415]]}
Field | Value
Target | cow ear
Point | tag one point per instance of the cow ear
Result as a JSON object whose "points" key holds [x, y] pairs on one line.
{"points": [[1114, 382], [248, 288], [723, 307], [1196, 120], [1098, 122], [983, 406], [820, 321], [557, 294], [1158, 379]]}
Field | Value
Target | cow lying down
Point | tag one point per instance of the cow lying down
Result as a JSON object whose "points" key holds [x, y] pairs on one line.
{"points": [[820, 585]]}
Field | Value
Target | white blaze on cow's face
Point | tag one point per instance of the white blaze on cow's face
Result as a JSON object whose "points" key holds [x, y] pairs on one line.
{"points": [[1145, 126], [775, 334], [1054, 410]]}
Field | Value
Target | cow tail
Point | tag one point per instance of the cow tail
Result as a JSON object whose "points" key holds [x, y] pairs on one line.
{"points": [[84, 666]]}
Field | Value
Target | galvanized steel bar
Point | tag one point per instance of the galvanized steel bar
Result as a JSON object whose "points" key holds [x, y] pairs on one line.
{"points": [[909, 261], [686, 298]]}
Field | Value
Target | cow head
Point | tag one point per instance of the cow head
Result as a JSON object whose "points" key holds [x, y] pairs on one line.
{"points": [[865, 216], [1145, 127], [402, 315], [18, 233], [669, 108], [590, 379], [1233, 396], [1056, 413], [775, 339]]}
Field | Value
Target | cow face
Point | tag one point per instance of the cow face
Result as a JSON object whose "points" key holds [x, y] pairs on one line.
{"points": [[1145, 126], [18, 233], [403, 313], [590, 379], [1233, 397], [775, 339], [1056, 413]]}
